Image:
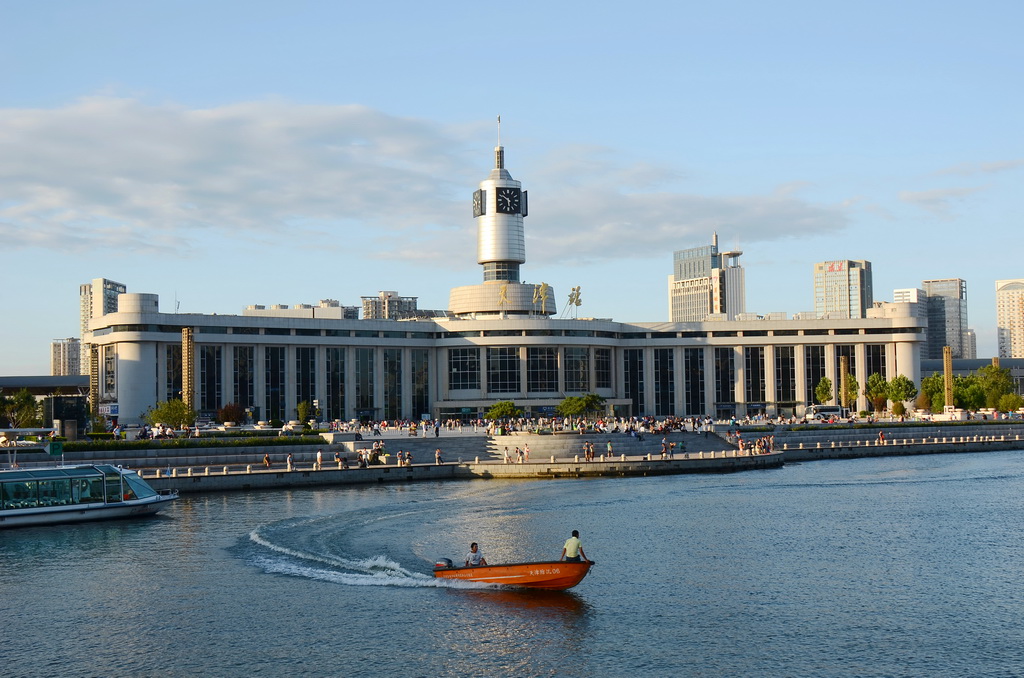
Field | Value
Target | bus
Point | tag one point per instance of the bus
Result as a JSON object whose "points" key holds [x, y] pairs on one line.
{"points": [[825, 413]]}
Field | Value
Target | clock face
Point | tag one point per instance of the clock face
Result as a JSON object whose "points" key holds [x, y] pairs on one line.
{"points": [[479, 204], [508, 200]]}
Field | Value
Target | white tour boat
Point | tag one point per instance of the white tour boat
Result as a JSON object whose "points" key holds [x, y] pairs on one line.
{"points": [[69, 494]]}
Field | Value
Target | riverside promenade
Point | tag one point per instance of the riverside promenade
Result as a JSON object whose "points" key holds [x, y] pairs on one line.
{"points": [[471, 455], [468, 456]]}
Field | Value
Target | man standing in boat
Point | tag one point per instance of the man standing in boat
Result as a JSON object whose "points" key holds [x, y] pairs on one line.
{"points": [[573, 549], [474, 558]]}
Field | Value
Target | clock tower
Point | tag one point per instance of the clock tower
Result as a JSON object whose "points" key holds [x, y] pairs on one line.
{"points": [[499, 207]]}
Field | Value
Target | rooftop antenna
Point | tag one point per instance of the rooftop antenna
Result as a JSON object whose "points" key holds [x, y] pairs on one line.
{"points": [[499, 152]]}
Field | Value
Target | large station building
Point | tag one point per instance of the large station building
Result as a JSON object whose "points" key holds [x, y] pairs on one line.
{"points": [[499, 342]]}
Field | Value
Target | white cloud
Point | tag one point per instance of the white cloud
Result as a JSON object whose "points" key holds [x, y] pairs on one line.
{"points": [[938, 201], [110, 172], [973, 168]]}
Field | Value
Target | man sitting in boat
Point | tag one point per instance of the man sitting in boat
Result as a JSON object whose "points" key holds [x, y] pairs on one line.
{"points": [[474, 558], [573, 549]]}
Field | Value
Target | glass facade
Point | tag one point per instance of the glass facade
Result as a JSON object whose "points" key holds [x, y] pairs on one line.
{"points": [[542, 369], [210, 382], [814, 370], [364, 383], [875, 355], [754, 378], [633, 378], [420, 382], [602, 368], [664, 382], [463, 368], [503, 370], [109, 372], [693, 381], [305, 375], [392, 394], [274, 378], [577, 370], [785, 375], [335, 387], [725, 378], [173, 372], [243, 377]]}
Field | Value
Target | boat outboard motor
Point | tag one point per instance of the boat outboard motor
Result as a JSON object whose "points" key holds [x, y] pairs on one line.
{"points": [[442, 563]]}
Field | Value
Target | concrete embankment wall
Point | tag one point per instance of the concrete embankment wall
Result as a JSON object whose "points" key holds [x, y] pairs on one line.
{"points": [[829, 442], [211, 479]]}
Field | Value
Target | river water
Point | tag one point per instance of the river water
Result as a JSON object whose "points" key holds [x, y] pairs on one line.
{"points": [[902, 566]]}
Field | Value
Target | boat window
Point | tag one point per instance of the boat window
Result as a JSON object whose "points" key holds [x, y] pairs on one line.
{"points": [[54, 492], [23, 494], [90, 490], [112, 483], [138, 486]]}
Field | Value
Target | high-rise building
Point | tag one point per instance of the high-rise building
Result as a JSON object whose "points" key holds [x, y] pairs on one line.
{"points": [[947, 316], [706, 282], [65, 357], [1010, 317], [388, 306], [96, 299], [842, 289], [970, 345]]}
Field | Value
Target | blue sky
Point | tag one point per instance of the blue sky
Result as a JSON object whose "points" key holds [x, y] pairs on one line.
{"points": [[230, 153]]}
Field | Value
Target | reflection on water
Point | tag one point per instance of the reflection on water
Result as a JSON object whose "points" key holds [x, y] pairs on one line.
{"points": [[862, 567]]}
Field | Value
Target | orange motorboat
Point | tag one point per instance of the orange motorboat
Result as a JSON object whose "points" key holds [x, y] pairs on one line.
{"points": [[551, 575]]}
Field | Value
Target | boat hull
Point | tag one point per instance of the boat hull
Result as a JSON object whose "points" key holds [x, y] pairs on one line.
{"points": [[554, 575], [56, 515]]}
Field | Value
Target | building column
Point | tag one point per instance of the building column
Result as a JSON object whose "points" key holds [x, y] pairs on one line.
{"points": [[770, 397]]}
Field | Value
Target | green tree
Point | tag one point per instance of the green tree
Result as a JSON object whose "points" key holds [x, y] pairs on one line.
{"points": [[852, 387], [22, 410], [1011, 402], [173, 413], [823, 391], [877, 391], [304, 411], [933, 393], [578, 406], [901, 389], [504, 409], [231, 412], [995, 382]]}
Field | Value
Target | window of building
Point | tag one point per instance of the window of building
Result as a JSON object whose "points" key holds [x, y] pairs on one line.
{"points": [[172, 365], [210, 382], [392, 394], [725, 376], [463, 368], [577, 369], [664, 382], [633, 376], [814, 368], [243, 369], [420, 381], [875, 356], [364, 382], [693, 381], [305, 374], [785, 375], [541, 369], [503, 370], [274, 377], [335, 386], [754, 378], [602, 368]]}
